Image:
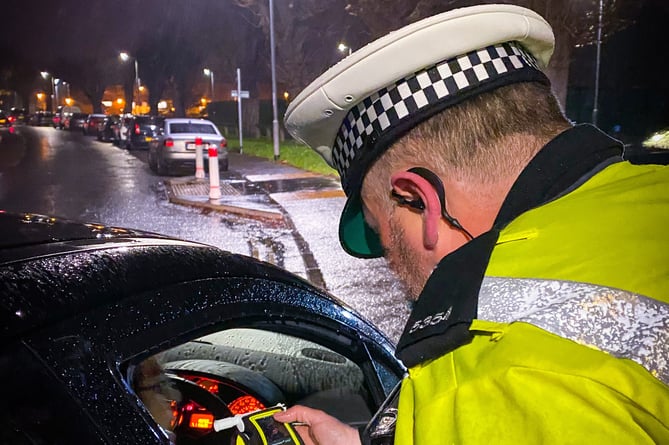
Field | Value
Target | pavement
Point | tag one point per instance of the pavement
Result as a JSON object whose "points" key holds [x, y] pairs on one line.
{"points": [[254, 188], [308, 205], [247, 189]]}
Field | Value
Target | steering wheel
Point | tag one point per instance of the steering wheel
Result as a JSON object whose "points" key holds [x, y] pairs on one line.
{"points": [[192, 391]]}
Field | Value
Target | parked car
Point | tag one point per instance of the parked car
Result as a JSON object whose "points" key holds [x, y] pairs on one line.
{"points": [[17, 116], [175, 144], [63, 114], [98, 321], [75, 121], [141, 130], [56, 120], [90, 127], [41, 119], [122, 130], [106, 128]]}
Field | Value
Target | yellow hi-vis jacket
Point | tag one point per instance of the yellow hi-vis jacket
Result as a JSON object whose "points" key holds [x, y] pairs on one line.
{"points": [[546, 365]]}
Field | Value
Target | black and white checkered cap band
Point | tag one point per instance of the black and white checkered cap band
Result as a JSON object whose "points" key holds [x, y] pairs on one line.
{"points": [[441, 82]]}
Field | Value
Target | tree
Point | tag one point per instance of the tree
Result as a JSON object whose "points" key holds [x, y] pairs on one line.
{"points": [[91, 75], [307, 33], [17, 75], [574, 22]]}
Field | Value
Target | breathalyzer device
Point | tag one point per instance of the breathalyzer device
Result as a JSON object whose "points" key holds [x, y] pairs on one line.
{"points": [[260, 428]]}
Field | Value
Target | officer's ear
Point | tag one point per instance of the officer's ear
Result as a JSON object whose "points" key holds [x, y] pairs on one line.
{"points": [[413, 191]]}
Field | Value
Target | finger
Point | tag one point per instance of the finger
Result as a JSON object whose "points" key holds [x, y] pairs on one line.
{"points": [[298, 413]]}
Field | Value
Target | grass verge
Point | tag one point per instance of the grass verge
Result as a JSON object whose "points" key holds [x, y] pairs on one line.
{"points": [[290, 152]]}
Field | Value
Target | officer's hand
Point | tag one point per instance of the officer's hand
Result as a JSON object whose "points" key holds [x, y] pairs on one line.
{"points": [[321, 429]]}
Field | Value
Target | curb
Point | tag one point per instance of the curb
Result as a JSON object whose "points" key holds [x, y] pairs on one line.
{"points": [[204, 202]]}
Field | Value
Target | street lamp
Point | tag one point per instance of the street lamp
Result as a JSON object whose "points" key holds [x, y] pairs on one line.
{"points": [[56, 83], [275, 119], [342, 47], [54, 97], [124, 56], [210, 73], [595, 107]]}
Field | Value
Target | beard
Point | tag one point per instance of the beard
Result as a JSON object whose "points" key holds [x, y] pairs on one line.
{"points": [[404, 262]]}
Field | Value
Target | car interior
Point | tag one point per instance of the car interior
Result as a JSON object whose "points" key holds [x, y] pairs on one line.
{"points": [[242, 370]]}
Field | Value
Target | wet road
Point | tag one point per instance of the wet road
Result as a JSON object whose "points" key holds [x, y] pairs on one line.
{"points": [[66, 174]]}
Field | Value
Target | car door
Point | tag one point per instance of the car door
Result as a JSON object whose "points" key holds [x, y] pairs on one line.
{"points": [[268, 336]]}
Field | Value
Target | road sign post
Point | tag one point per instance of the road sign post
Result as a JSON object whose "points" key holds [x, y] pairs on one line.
{"points": [[240, 94]]}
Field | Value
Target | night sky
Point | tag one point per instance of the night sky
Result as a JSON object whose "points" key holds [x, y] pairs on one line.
{"points": [[634, 91], [48, 29]]}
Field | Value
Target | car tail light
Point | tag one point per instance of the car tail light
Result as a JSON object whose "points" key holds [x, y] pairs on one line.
{"points": [[168, 142], [11, 119], [137, 129]]}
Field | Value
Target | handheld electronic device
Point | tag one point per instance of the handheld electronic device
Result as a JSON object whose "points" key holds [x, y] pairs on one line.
{"points": [[260, 428]]}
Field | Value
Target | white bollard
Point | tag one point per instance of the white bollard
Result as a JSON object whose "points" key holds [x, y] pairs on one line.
{"points": [[214, 180], [199, 159]]}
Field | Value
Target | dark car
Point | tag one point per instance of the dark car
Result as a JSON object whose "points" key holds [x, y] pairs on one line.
{"points": [[75, 121], [141, 130], [106, 128], [112, 336], [17, 116], [91, 124], [41, 119]]}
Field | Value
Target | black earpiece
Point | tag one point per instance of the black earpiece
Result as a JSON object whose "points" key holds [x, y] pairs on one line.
{"points": [[418, 204], [413, 203]]}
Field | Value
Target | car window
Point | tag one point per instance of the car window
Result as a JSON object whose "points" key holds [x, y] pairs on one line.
{"points": [[246, 369], [191, 127]]}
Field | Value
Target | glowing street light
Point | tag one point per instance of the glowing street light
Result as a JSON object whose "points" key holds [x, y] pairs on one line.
{"points": [[210, 73], [124, 56], [343, 48], [54, 94], [41, 100]]}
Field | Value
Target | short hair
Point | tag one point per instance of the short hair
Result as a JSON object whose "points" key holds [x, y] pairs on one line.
{"points": [[480, 141]]}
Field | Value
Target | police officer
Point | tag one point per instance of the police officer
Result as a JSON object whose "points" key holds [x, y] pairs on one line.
{"points": [[538, 259]]}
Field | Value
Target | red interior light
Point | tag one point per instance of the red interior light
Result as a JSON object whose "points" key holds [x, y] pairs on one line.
{"points": [[245, 404], [198, 141]]}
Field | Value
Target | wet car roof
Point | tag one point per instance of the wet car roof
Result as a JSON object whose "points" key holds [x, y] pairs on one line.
{"points": [[25, 229], [38, 265]]}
